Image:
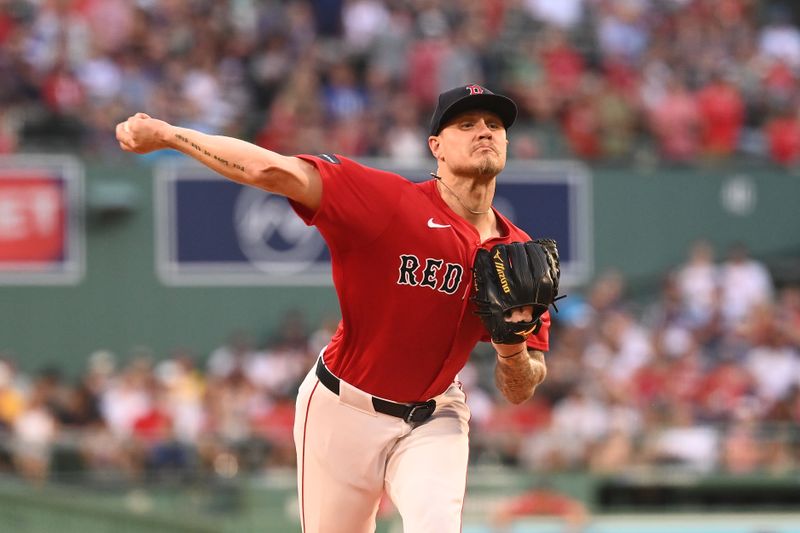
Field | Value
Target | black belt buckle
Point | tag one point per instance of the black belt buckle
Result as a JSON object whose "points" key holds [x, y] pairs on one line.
{"points": [[420, 412]]}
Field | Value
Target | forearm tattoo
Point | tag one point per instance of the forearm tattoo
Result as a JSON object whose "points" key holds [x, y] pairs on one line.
{"points": [[206, 153], [518, 377]]}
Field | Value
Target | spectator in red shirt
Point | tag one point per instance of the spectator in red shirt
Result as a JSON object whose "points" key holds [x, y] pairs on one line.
{"points": [[725, 388], [649, 383], [154, 425], [581, 125], [8, 136], [782, 134], [674, 121], [721, 109], [563, 65], [61, 90], [7, 26], [425, 58]]}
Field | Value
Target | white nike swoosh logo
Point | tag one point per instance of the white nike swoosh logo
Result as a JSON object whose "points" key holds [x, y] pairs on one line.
{"points": [[432, 224]]}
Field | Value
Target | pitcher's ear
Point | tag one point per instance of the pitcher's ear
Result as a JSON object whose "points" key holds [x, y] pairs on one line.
{"points": [[434, 145]]}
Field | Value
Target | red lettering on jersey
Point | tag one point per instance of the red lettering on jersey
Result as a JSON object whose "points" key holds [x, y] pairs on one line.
{"points": [[475, 89]]}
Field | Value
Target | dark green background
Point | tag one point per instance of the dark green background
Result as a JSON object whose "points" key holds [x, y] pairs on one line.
{"points": [[643, 220]]}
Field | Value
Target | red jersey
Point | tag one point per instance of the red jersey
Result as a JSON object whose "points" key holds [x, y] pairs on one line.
{"points": [[402, 268]]}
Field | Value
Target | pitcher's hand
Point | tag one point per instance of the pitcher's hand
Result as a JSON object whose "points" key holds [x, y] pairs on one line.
{"points": [[142, 134]]}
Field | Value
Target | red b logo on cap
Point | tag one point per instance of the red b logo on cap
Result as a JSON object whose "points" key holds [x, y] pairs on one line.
{"points": [[475, 89]]}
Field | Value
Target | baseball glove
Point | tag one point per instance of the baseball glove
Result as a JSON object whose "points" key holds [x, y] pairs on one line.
{"points": [[511, 276]]}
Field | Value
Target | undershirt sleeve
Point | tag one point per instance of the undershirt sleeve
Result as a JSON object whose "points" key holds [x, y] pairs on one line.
{"points": [[358, 202]]}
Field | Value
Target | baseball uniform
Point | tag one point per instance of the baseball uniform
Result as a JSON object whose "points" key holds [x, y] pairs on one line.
{"points": [[365, 418]]}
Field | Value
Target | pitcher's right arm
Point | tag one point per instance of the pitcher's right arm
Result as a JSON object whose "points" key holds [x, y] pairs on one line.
{"points": [[237, 160]]}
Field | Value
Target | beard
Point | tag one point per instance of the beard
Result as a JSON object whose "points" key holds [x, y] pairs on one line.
{"points": [[487, 167]]}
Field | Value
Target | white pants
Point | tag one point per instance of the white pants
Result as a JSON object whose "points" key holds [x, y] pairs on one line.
{"points": [[347, 454]]}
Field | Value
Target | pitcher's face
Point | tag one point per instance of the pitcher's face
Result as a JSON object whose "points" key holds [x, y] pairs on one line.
{"points": [[472, 144]]}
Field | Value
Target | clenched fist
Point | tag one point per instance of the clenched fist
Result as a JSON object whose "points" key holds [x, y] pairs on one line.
{"points": [[142, 134]]}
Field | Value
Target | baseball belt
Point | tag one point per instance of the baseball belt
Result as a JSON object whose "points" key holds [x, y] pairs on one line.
{"points": [[410, 412]]}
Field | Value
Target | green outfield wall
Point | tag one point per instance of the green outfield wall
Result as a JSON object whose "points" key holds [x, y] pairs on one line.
{"points": [[641, 221], [665, 502]]}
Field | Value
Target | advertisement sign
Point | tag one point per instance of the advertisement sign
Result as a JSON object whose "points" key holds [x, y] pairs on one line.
{"points": [[41, 230], [211, 231]]}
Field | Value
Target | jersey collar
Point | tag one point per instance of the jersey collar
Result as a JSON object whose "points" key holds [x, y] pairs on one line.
{"points": [[503, 223]]}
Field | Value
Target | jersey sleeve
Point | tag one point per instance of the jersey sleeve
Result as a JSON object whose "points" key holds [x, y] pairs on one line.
{"points": [[358, 202], [541, 341]]}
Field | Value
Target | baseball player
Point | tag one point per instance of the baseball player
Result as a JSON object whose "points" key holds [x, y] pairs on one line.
{"points": [[382, 408]]}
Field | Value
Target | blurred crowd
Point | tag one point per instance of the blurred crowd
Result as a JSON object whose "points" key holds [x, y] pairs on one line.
{"points": [[706, 377], [600, 80], [703, 377]]}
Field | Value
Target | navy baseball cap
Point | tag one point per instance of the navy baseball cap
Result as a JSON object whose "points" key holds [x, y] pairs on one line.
{"points": [[468, 97]]}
